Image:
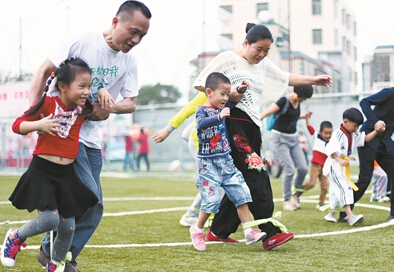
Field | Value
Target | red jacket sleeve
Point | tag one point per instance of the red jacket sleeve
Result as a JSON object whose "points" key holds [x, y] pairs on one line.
{"points": [[25, 117], [311, 130]]}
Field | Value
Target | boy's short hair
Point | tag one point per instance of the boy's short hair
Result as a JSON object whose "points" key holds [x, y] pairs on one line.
{"points": [[214, 79], [304, 91], [325, 124], [353, 115]]}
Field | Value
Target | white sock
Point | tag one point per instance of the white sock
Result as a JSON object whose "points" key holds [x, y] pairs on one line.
{"points": [[198, 229], [247, 230]]}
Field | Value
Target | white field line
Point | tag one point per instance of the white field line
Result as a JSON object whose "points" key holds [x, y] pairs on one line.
{"points": [[310, 200], [171, 198], [139, 198]]}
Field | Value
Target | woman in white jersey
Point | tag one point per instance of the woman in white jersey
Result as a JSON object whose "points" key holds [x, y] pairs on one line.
{"points": [[267, 83]]}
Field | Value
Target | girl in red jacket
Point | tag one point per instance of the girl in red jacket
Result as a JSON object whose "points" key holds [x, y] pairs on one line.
{"points": [[50, 184]]}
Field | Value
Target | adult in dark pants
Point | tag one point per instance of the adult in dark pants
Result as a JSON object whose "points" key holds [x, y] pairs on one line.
{"points": [[226, 220], [381, 148], [251, 64]]}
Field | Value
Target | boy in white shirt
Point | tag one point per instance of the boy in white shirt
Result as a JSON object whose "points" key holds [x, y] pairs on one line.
{"points": [[339, 148]]}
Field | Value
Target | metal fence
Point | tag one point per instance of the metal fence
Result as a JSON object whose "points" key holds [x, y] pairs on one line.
{"points": [[15, 150]]}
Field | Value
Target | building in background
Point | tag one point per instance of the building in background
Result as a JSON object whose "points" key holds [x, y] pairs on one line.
{"points": [[377, 72], [319, 30]]}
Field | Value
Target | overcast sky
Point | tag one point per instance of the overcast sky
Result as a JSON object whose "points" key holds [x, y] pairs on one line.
{"points": [[174, 38]]}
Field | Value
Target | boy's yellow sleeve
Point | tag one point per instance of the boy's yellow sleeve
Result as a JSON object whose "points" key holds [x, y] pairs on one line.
{"points": [[189, 109]]}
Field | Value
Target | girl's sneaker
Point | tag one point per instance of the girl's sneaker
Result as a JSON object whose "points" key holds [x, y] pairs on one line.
{"points": [[58, 267], [54, 266], [198, 239], [11, 246], [254, 236]]}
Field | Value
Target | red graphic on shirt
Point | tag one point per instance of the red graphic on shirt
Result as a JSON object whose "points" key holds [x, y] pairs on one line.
{"points": [[214, 140], [242, 144]]}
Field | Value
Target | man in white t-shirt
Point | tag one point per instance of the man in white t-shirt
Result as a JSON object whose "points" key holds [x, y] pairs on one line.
{"points": [[115, 70]]}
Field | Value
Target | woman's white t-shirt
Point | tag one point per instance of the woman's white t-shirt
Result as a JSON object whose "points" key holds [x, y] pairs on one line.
{"points": [[267, 81]]}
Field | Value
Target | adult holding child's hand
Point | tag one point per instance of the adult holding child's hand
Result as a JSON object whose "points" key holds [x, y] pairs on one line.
{"points": [[379, 111], [266, 84]]}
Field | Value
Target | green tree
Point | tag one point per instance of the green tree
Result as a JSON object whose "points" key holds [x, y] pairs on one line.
{"points": [[24, 76], [158, 94]]}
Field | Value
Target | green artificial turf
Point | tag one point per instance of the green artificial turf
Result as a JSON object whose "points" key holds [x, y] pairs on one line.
{"points": [[155, 241]]}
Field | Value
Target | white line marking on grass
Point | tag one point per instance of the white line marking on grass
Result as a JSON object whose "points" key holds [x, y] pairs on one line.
{"points": [[322, 234], [121, 213], [146, 211], [368, 228], [174, 244], [139, 198], [143, 198]]}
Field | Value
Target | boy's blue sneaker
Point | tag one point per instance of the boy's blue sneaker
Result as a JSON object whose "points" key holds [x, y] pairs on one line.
{"points": [[355, 219], [11, 246]]}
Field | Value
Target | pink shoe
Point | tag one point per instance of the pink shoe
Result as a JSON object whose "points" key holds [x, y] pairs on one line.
{"points": [[254, 236], [198, 240]]}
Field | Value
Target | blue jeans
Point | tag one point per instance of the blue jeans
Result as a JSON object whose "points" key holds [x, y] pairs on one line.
{"points": [[145, 157], [128, 161], [216, 173], [88, 166]]}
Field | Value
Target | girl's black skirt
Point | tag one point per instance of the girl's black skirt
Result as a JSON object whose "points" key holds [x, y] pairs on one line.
{"points": [[47, 185]]}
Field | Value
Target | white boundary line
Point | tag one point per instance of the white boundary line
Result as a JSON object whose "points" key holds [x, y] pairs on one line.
{"points": [[174, 244], [367, 228]]}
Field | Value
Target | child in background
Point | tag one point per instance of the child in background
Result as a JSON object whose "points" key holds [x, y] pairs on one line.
{"points": [[303, 142], [379, 184], [319, 156], [339, 148], [143, 150], [51, 185], [215, 167]]}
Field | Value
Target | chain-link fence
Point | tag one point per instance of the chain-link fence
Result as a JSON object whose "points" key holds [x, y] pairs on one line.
{"points": [[172, 154]]}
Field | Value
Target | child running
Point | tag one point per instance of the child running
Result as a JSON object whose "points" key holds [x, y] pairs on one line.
{"points": [[215, 167], [379, 184], [339, 148], [320, 140], [50, 185]]}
